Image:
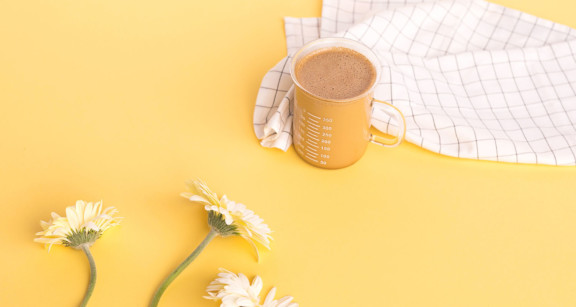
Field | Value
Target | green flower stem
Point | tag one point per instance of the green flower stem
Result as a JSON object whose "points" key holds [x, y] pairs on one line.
{"points": [[92, 282], [211, 235]]}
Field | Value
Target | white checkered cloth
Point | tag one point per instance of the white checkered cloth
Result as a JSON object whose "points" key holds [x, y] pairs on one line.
{"points": [[473, 79]]}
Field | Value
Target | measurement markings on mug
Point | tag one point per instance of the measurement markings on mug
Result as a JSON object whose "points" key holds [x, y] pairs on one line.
{"points": [[324, 138], [310, 124], [312, 155], [312, 159], [317, 117], [315, 137], [314, 129], [311, 119], [311, 151], [312, 144], [313, 124], [317, 134]]}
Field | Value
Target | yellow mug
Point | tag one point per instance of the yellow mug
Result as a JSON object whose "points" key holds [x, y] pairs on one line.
{"points": [[334, 132]]}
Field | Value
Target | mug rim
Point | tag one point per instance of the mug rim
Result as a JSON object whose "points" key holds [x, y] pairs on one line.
{"points": [[330, 42]]}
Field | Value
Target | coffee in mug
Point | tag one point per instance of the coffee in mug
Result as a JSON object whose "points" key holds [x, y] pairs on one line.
{"points": [[334, 83]]}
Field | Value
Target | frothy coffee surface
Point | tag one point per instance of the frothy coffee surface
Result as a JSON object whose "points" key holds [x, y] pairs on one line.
{"points": [[335, 73]]}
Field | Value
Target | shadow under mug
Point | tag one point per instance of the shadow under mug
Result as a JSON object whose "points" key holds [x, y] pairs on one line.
{"points": [[334, 133]]}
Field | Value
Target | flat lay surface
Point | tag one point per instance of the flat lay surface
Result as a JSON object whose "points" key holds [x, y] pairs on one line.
{"points": [[124, 101]]}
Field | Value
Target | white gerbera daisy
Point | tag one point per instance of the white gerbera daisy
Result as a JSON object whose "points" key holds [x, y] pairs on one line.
{"points": [[83, 224], [237, 291], [226, 218], [80, 228], [248, 225]]}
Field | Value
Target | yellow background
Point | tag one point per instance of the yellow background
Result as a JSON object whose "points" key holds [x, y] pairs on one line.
{"points": [[125, 100]]}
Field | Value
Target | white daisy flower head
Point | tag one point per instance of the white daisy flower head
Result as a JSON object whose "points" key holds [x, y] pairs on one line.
{"points": [[235, 290], [236, 218], [83, 224]]}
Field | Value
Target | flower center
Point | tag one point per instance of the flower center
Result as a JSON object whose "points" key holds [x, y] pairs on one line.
{"points": [[82, 236], [218, 223]]}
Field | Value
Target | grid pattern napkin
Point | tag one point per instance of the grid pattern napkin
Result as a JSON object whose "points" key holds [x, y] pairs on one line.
{"points": [[473, 79]]}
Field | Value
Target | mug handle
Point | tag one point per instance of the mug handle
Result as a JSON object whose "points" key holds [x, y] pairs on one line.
{"points": [[391, 141]]}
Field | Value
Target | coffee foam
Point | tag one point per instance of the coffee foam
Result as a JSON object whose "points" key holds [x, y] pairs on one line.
{"points": [[335, 73]]}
